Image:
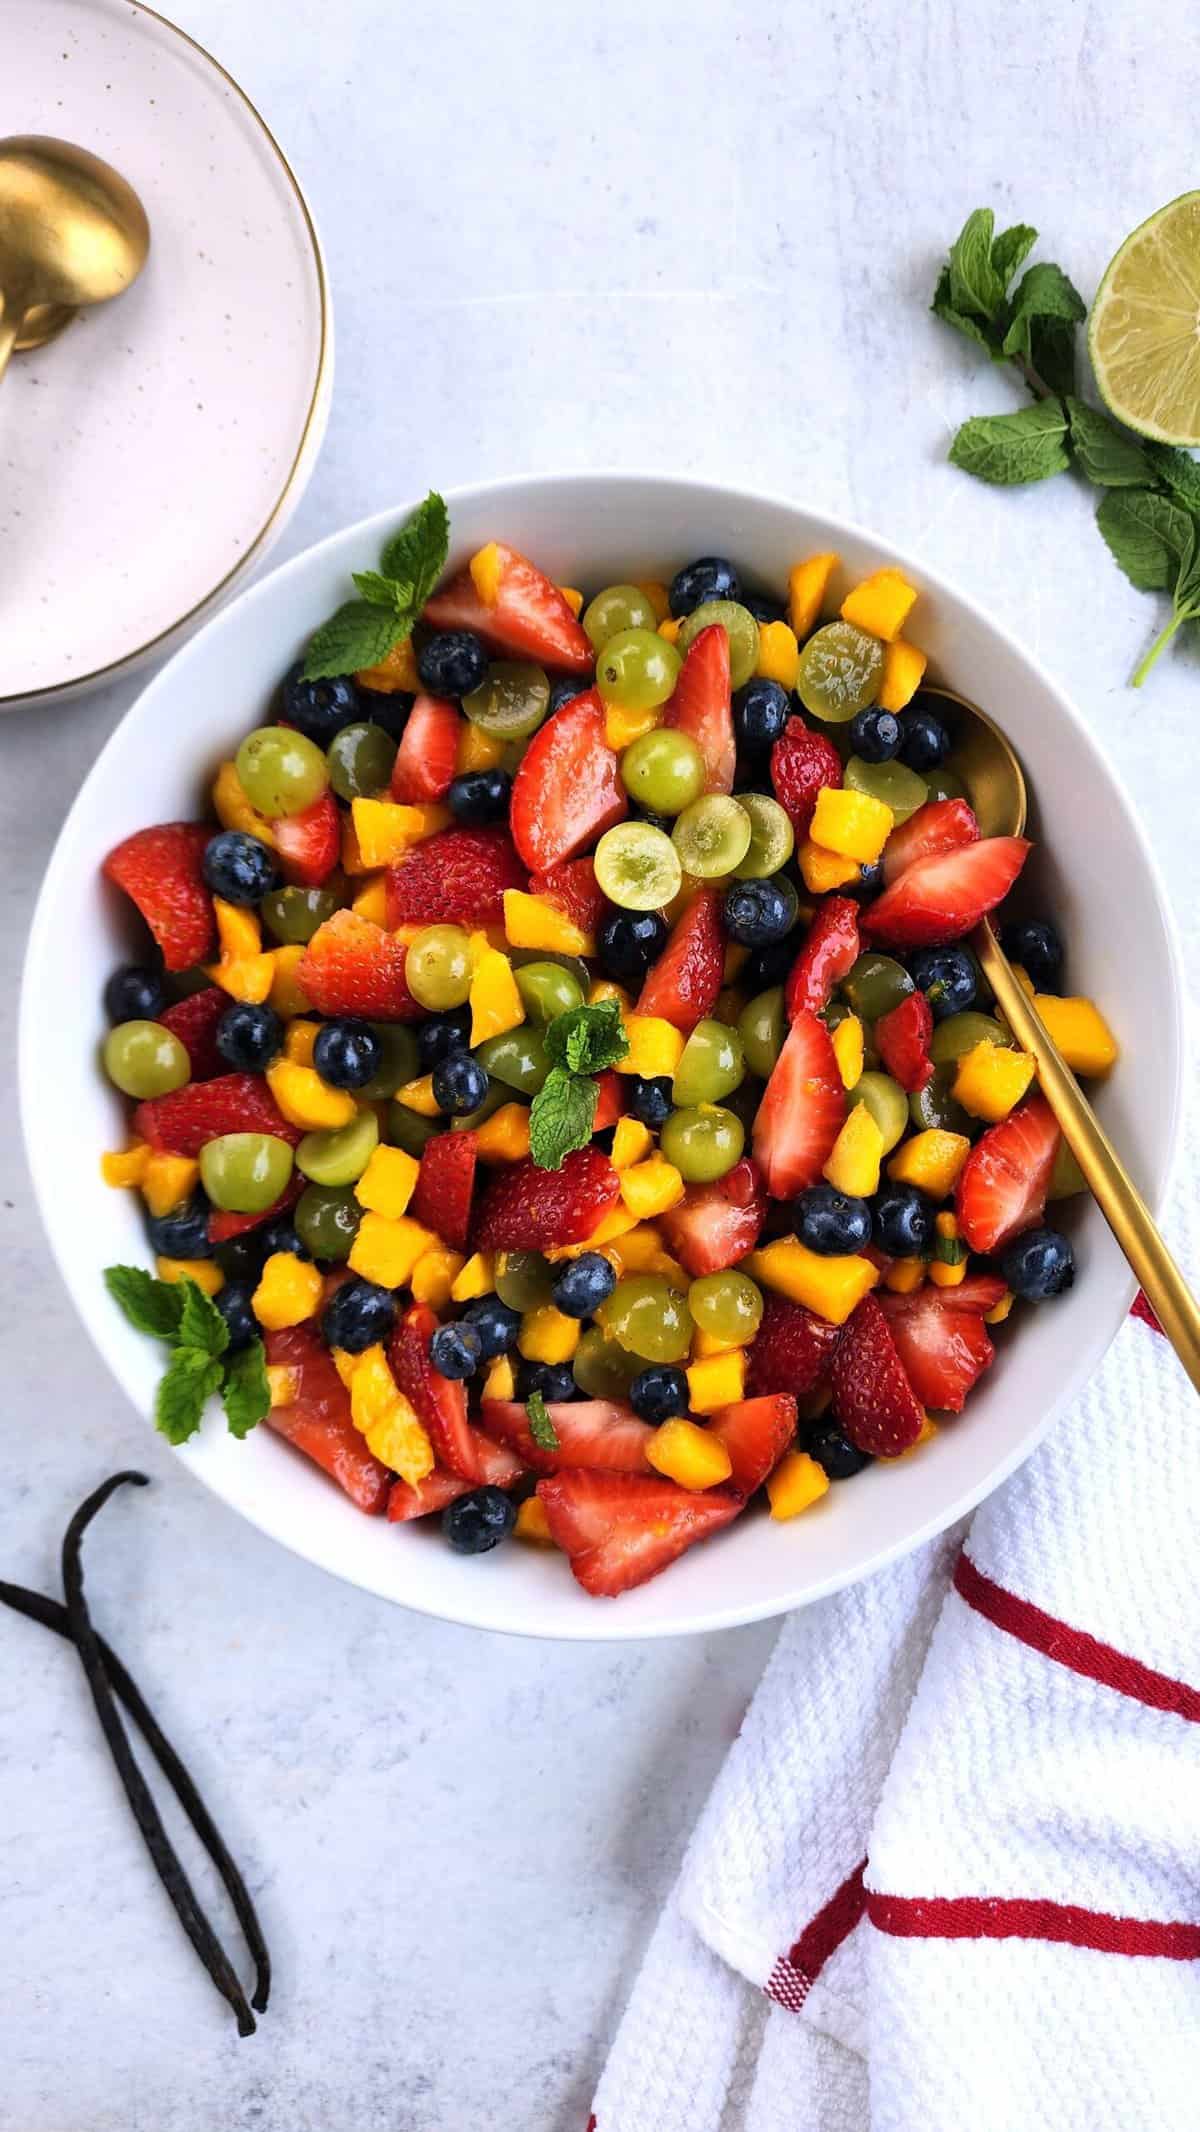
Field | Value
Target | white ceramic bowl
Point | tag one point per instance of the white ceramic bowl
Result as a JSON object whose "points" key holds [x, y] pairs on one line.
{"points": [[1092, 869]]}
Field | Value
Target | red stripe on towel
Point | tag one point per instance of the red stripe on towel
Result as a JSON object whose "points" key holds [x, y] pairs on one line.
{"points": [[795, 1972], [980, 1917]]}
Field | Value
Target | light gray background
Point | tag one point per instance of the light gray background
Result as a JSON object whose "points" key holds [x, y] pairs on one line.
{"points": [[699, 238]]}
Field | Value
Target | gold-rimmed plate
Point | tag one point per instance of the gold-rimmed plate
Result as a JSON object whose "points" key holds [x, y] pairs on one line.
{"points": [[153, 450]]}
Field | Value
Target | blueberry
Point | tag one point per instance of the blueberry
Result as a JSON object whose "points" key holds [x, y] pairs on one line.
{"points": [[475, 1523], [947, 978], [233, 1302], [760, 712], [453, 663], [658, 1392], [459, 1084], [240, 1258], [757, 913], [649, 1100], [1034, 943], [565, 690], [768, 966], [347, 1052], [280, 1235], [321, 708], [709, 578], [442, 1034], [823, 1440], [456, 1351], [583, 1285], [629, 941], [875, 735], [552, 1379], [868, 885], [1038, 1265], [238, 867], [183, 1233], [134, 994], [763, 607], [248, 1037], [924, 737], [358, 1315], [479, 797], [832, 1222], [495, 1323], [903, 1221], [388, 708]]}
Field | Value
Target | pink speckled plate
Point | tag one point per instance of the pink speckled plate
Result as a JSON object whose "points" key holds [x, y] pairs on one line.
{"points": [[155, 450]]}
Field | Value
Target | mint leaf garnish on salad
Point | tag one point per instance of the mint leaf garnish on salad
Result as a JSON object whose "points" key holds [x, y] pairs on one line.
{"points": [[582, 1042], [541, 1428], [188, 1321], [365, 630]]}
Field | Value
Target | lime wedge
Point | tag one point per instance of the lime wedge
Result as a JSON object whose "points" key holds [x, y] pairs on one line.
{"points": [[1144, 331]]}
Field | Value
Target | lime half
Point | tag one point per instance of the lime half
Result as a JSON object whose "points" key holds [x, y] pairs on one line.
{"points": [[1144, 331]]}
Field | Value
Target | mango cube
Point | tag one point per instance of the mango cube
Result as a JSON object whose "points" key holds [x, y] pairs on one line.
{"points": [[386, 1251], [288, 1292], [287, 995], [689, 1455], [854, 1159], [433, 1276], [649, 1188], [477, 1277], [396, 670], [418, 1095], [655, 1047], [371, 902], [381, 1413], [233, 809], [717, 1381], [991, 1080], [669, 628], [808, 583], [504, 1137], [852, 824], [496, 1004], [796, 1484], [632, 1142], [822, 870], [204, 1271], [385, 830], [622, 727], [778, 654], [532, 922], [573, 599], [903, 672], [299, 1040], [931, 1160], [308, 1101], [849, 1051], [881, 604], [1080, 1031], [167, 1180], [532, 1524], [904, 1276], [548, 1335], [485, 573], [126, 1166], [830, 1287], [477, 750], [388, 1182], [501, 1381]]}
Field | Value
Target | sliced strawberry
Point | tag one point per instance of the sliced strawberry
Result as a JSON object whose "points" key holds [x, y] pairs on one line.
{"points": [[791, 1350], [309, 845], [902, 1040], [428, 751], [942, 1347], [801, 762], [351, 966], [159, 870], [830, 950], [940, 825], [715, 1225], [439, 1403], [190, 1117], [498, 1468], [1003, 1183], [445, 1181], [529, 615], [194, 1021], [756, 1433], [702, 706], [620, 1529], [801, 1112], [573, 889], [610, 1100], [683, 984], [527, 1209], [600, 1434], [457, 877], [942, 897], [872, 1397], [318, 1420], [568, 788], [222, 1226], [979, 1292]]}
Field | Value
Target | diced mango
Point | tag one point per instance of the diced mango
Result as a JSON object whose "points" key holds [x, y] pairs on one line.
{"points": [[904, 1276], [944, 1276], [573, 598], [388, 1182], [929, 1430], [632, 1142], [548, 1335], [854, 1159], [706, 1344], [778, 654], [204, 1271], [603, 988], [639, 1250], [532, 1524], [248, 978], [299, 1041], [948, 1264], [649, 1188], [485, 573], [238, 930], [504, 1137], [532, 922], [852, 824], [372, 899], [501, 1379], [1080, 1031], [434, 1275], [477, 1277], [283, 1384], [125, 1167], [496, 1004], [796, 1484], [881, 604], [233, 809], [658, 596], [808, 583], [386, 1418], [717, 1381], [832, 1287], [167, 1180], [849, 1050], [617, 1222], [385, 1251], [418, 1095], [903, 672], [287, 995], [396, 670], [385, 830], [477, 750], [345, 1364], [991, 1080], [689, 1455], [288, 1292], [623, 727], [822, 870], [931, 1160], [1000, 1311], [655, 1046], [308, 1101], [353, 862], [669, 629]]}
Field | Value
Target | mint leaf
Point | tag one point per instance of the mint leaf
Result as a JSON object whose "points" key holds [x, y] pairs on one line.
{"points": [[1010, 250], [1178, 472], [541, 1428], [560, 1117], [379, 591], [943, 308], [245, 1391], [1044, 292], [151, 1306], [587, 1039], [416, 555], [189, 1380], [1052, 355], [1026, 446], [1107, 454], [975, 286], [200, 1322], [391, 598], [1151, 538], [359, 634]]}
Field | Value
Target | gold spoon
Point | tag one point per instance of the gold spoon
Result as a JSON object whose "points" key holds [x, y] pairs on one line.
{"points": [[996, 785], [72, 232]]}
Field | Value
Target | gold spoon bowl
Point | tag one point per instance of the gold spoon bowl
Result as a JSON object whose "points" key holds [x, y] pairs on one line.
{"points": [[72, 233]]}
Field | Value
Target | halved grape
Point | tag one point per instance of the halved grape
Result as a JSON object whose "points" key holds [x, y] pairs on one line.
{"points": [[524, 1279], [1066, 1178], [327, 1219], [727, 1305], [293, 915], [740, 627], [408, 1129], [762, 1028], [875, 984], [934, 1105], [887, 1103], [711, 1064], [637, 670], [772, 838], [840, 671], [703, 1141], [398, 1064], [511, 702], [281, 772], [437, 969], [547, 989], [712, 836], [892, 782], [243, 1173], [960, 1033], [617, 608], [664, 771], [341, 1155], [145, 1059], [518, 1058], [638, 866], [943, 783], [648, 1317], [360, 760], [602, 1367]]}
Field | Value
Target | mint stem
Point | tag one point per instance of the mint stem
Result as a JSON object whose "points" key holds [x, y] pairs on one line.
{"points": [[1159, 645], [1037, 385]]}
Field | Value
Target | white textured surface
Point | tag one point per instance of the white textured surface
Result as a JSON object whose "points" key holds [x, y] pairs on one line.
{"points": [[702, 240]]}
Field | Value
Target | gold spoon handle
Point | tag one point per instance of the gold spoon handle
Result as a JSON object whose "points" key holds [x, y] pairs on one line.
{"points": [[1111, 1186], [10, 326]]}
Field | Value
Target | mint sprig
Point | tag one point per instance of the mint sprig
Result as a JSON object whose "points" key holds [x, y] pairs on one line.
{"points": [[541, 1428], [582, 1042], [180, 1314], [390, 599], [587, 1039]]}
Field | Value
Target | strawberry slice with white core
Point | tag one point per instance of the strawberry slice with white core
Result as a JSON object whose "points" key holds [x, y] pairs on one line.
{"points": [[940, 825], [942, 1347], [568, 789], [802, 1110], [509, 602], [715, 1225], [621, 1529], [602, 1434], [498, 1468], [756, 1433], [1004, 1181], [940, 898], [428, 751], [702, 706]]}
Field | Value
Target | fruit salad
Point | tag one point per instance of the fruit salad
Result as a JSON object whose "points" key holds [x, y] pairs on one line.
{"points": [[564, 1097]]}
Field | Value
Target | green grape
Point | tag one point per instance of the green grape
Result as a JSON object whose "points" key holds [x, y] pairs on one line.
{"points": [[703, 1141], [772, 838], [281, 772], [663, 771], [875, 984], [524, 1279], [293, 915], [887, 1103], [711, 1064], [616, 609], [934, 1105], [944, 783], [547, 989], [511, 701], [602, 1368], [340, 1155], [892, 782], [244, 1173], [727, 1305], [712, 836], [498, 1094], [637, 670], [960, 1033], [437, 969], [637, 866], [762, 1028], [399, 1064], [518, 1058], [834, 1014], [408, 1129], [574, 965], [740, 627], [840, 671], [648, 1317], [360, 760], [143, 1059], [1066, 1178], [327, 1221]]}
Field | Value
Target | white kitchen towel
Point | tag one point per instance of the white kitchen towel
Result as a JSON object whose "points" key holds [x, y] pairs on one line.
{"points": [[950, 1872]]}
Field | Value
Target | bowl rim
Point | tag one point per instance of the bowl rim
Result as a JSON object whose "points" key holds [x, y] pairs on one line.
{"points": [[101, 1327]]}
